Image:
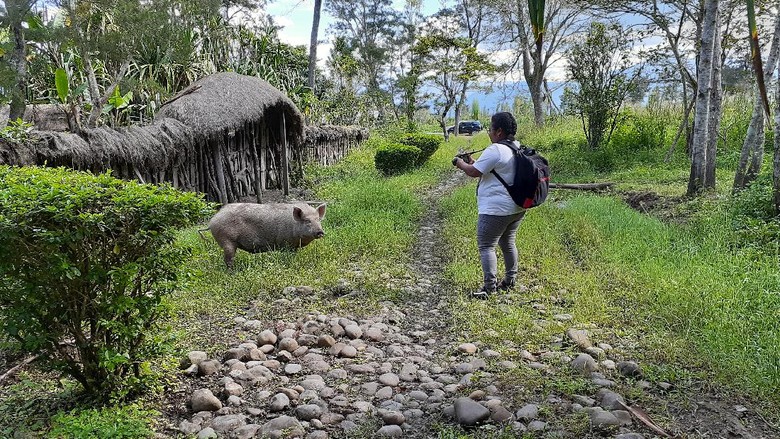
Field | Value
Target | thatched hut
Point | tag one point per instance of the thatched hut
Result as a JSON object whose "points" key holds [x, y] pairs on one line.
{"points": [[227, 135], [247, 135]]}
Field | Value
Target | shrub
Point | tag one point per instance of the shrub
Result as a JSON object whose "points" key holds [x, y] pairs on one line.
{"points": [[118, 422], [91, 258], [396, 158], [428, 144]]}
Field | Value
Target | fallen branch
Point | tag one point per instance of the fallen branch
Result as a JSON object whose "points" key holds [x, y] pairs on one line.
{"points": [[16, 368], [582, 186], [645, 418]]}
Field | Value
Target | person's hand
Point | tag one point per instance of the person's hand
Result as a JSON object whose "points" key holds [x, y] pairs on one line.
{"points": [[468, 160], [455, 161]]}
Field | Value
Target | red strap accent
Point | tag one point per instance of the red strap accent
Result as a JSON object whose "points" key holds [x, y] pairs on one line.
{"points": [[545, 179], [528, 203]]}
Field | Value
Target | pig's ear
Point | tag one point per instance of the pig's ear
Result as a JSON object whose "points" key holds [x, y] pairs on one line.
{"points": [[297, 214], [321, 210]]}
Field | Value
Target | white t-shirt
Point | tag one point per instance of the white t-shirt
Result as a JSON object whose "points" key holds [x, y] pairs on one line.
{"points": [[492, 196]]}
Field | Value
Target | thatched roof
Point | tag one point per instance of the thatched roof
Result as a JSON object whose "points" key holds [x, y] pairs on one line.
{"points": [[153, 147], [50, 117], [327, 133], [226, 101]]}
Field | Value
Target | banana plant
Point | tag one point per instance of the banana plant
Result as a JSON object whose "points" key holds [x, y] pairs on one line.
{"points": [[536, 13], [756, 55]]}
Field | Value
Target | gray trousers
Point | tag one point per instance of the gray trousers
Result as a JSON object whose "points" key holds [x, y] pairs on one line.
{"points": [[501, 230]]}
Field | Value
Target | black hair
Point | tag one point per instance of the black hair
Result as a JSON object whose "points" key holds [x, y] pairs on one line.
{"points": [[506, 122]]}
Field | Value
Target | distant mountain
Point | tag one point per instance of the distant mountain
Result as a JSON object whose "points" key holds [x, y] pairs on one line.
{"points": [[492, 99]]}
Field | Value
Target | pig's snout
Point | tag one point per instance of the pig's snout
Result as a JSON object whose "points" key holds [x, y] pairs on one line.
{"points": [[320, 234]]}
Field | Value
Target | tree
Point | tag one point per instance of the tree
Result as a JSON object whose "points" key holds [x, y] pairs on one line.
{"points": [[600, 67], [368, 27], [540, 33], [704, 73], [751, 156], [15, 13], [449, 61], [315, 25]]}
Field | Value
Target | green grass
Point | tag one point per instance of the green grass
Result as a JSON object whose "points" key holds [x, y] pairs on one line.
{"points": [[684, 291], [370, 226]]}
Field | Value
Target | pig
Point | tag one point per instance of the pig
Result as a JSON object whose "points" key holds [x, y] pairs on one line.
{"points": [[262, 227]]}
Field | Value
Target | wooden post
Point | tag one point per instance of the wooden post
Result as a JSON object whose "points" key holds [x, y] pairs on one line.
{"points": [[285, 159], [262, 151], [219, 171]]}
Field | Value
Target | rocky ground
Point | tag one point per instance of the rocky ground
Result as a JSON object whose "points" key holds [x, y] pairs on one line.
{"points": [[404, 373]]}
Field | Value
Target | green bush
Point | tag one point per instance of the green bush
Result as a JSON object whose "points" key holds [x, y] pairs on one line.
{"points": [[396, 158], [428, 144], [115, 422], [86, 263]]}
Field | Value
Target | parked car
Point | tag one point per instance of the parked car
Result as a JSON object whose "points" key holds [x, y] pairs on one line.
{"points": [[467, 127]]}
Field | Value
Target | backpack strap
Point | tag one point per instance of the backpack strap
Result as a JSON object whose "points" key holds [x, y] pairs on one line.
{"points": [[515, 150]]}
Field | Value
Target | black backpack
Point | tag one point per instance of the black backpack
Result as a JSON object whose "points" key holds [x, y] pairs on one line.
{"points": [[532, 177]]}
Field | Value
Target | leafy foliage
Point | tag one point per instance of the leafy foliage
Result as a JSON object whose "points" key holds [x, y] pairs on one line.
{"points": [[599, 65], [17, 131], [428, 144], [92, 260], [396, 158], [128, 422]]}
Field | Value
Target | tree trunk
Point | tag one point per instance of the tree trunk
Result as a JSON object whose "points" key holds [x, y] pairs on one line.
{"points": [[776, 162], [18, 61], [315, 25], [752, 154], [703, 91], [716, 103]]}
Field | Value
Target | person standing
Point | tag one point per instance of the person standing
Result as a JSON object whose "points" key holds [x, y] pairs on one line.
{"points": [[499, 216]]}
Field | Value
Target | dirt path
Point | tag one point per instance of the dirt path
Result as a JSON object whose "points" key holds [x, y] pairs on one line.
{"points": [[404, 373]]}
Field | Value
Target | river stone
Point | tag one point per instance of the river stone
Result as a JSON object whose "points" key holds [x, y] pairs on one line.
{"points": [[374, 334], [317, 434], [389, 379], [623, 416], [584, 363], [467, 348], [469, 412], [193, 357], [500, 414], [629, 369], [629, 436], [579, 337], [393, 418], [266, 337], [339, 374], [325, 341], [584, 400], [602, 418], [189, 428], [408, 372], [208, 367], [362, 369], [384, 393], [390, 431], [464, 368], [282, 427], [279, 402], [292, 368], [233, 389], [204, 400], [353, 331], [611, 401], [247, 431], [224, 424], [348, 352], [307, 412], [528, 412], [536, 426], [288, 344], [207, 433]]}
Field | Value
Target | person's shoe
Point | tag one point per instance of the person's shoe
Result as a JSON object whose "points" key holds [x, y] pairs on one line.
{"points": [[482, 294], [505, 286]]}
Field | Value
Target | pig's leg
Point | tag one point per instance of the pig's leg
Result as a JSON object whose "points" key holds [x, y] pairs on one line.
{"points": [[230, 252]]}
